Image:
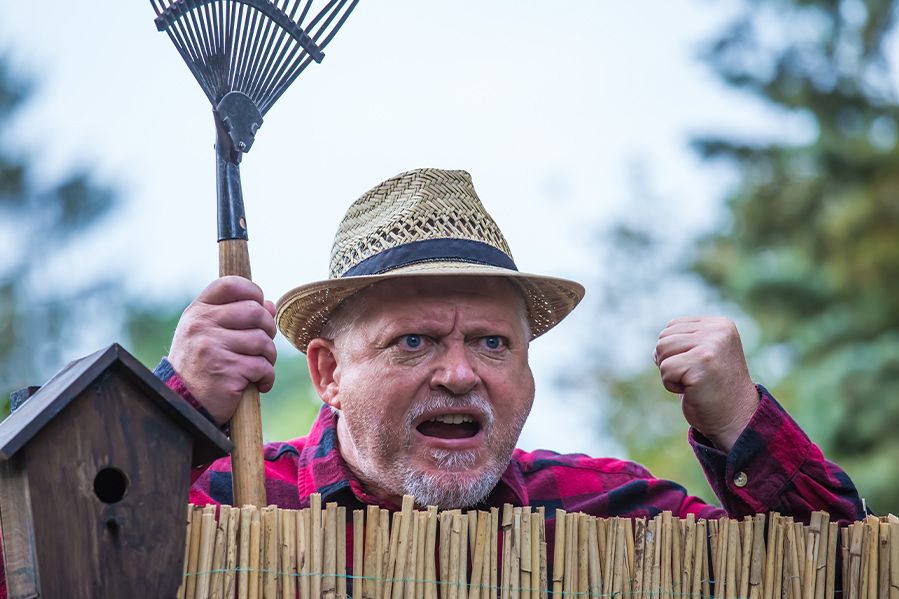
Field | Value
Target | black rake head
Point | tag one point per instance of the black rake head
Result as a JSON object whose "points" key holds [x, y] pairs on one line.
{"points": [[255, 48]]}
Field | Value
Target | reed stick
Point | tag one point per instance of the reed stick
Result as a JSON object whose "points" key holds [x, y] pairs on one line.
{"points": [[665, 545], [705, 574], [430, 548], [651, 571], [864, 567], [779, 558], [420, 555], [329, 553], [758, 558], [812, 544], [856, 532], [830, 586], [894, 557], [411, 575], [745, 557], [472, 516], [254, 578], [525, 558], [287, 520], [304, 539], [639, 556], [389, 578], [462, 579], [315, 530], [207, 547], [446, 526], [372, 569], [883, 566], [535, 521], [403, 546], [606, 536], [243, 555], [602, 550], [583, 537], [218, 553], [452, 581], [359, 552], [872, 524], [699, 553], [733, 554], [515, 556], [341, 552], [494, 552], [689, 553], [822, 554], [270, 552], [478, 571], [505, 586], [383, 550], [677, 552], [544, 574], [228, 577], [196, 526], [559, 553]]}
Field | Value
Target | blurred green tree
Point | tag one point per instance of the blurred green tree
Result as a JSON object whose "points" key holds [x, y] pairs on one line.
{"points": [[810, 246], [40, 223]]}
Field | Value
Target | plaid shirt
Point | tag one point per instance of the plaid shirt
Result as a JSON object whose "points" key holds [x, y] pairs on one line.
{"points": [[773, 467]]}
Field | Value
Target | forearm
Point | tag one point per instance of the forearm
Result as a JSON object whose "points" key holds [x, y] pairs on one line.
{"points": [[774, 466]]}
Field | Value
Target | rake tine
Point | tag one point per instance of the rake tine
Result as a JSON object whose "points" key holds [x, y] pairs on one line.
{"points": [[205, 33], [339, 24], [191, 42], [304, 13], [237, 41], [259, 57], [249, 29], [262, 60], [178, 36], [278, 48], [293, 66], [303, 61]]}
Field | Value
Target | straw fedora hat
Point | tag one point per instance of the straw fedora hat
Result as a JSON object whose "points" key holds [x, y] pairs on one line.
{"points": [[425, 222]]}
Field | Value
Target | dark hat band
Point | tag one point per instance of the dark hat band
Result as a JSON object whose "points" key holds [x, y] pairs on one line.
{"points": [[432, 250]]}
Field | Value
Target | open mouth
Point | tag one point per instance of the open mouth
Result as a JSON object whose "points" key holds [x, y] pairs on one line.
{"points": [[450, 426]]}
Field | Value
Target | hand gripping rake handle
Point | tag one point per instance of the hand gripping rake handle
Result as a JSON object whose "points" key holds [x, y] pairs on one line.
{"points": [[244, 54], [247, 467]]}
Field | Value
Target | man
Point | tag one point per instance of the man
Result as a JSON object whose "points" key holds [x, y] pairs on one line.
{"points": [[417, 345]]}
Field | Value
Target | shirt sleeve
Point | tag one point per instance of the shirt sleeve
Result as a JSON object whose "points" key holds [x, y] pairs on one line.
{"points": [[775, 467], [166, 373]]}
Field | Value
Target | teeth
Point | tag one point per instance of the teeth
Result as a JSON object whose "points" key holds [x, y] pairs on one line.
{"points": [[452, 419]]}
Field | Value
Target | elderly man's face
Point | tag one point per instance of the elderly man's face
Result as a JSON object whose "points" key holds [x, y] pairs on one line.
{"points": [[433, 383]]}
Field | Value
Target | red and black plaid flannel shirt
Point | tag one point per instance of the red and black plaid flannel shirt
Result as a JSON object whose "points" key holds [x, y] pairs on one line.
{"points": [[773, 467]]}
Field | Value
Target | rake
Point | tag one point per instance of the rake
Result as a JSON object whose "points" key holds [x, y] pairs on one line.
{"points": [[245, 54]]}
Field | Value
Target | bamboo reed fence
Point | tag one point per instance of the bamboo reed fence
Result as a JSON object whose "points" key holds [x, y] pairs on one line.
{"points": [[273, 553]]}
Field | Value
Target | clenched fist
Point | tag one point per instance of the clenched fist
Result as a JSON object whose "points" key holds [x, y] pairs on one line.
{"points": [[223, 342], [702, 360]]}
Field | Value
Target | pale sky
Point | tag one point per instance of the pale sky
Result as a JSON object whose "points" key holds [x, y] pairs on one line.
{"points": [[546, 104]]}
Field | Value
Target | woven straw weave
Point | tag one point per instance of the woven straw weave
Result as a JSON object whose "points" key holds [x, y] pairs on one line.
{"points": [[415, 206]]}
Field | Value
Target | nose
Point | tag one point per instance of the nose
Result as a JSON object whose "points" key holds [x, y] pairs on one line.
{"points": [[454, 371]]}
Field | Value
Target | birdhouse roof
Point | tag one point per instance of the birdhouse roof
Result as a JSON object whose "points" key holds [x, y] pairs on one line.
{"points": [[45, 405]]}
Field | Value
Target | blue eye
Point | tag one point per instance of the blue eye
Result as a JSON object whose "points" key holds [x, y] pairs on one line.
{"points": [[413, 341], [493, 342]]}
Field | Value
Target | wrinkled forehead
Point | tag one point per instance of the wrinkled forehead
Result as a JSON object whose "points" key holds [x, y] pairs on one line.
{"points": [[400, 296]]}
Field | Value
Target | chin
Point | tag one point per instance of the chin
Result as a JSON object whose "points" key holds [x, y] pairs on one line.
{"points": [[455, 480]]}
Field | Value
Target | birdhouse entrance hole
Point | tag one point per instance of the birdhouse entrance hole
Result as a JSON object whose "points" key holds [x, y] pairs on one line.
{"points": [[110, 485]]}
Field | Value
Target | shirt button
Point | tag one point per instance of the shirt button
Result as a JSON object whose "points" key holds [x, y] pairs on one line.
{"points": [[740, 479]]}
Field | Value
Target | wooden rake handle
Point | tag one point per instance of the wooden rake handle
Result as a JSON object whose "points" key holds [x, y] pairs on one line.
{"points": [[246, 425]]}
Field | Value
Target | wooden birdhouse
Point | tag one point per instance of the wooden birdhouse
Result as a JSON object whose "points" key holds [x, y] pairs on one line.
{"points": [[94, 477]]}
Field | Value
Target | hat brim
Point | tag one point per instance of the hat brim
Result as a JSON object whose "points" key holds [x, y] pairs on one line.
{"points": [[304, 310]]}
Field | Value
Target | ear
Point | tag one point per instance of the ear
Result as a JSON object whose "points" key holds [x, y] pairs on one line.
{"points": [[324, 370]]}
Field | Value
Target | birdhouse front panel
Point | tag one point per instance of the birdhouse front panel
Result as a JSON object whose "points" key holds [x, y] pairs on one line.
{"points": [[123, 467]]}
